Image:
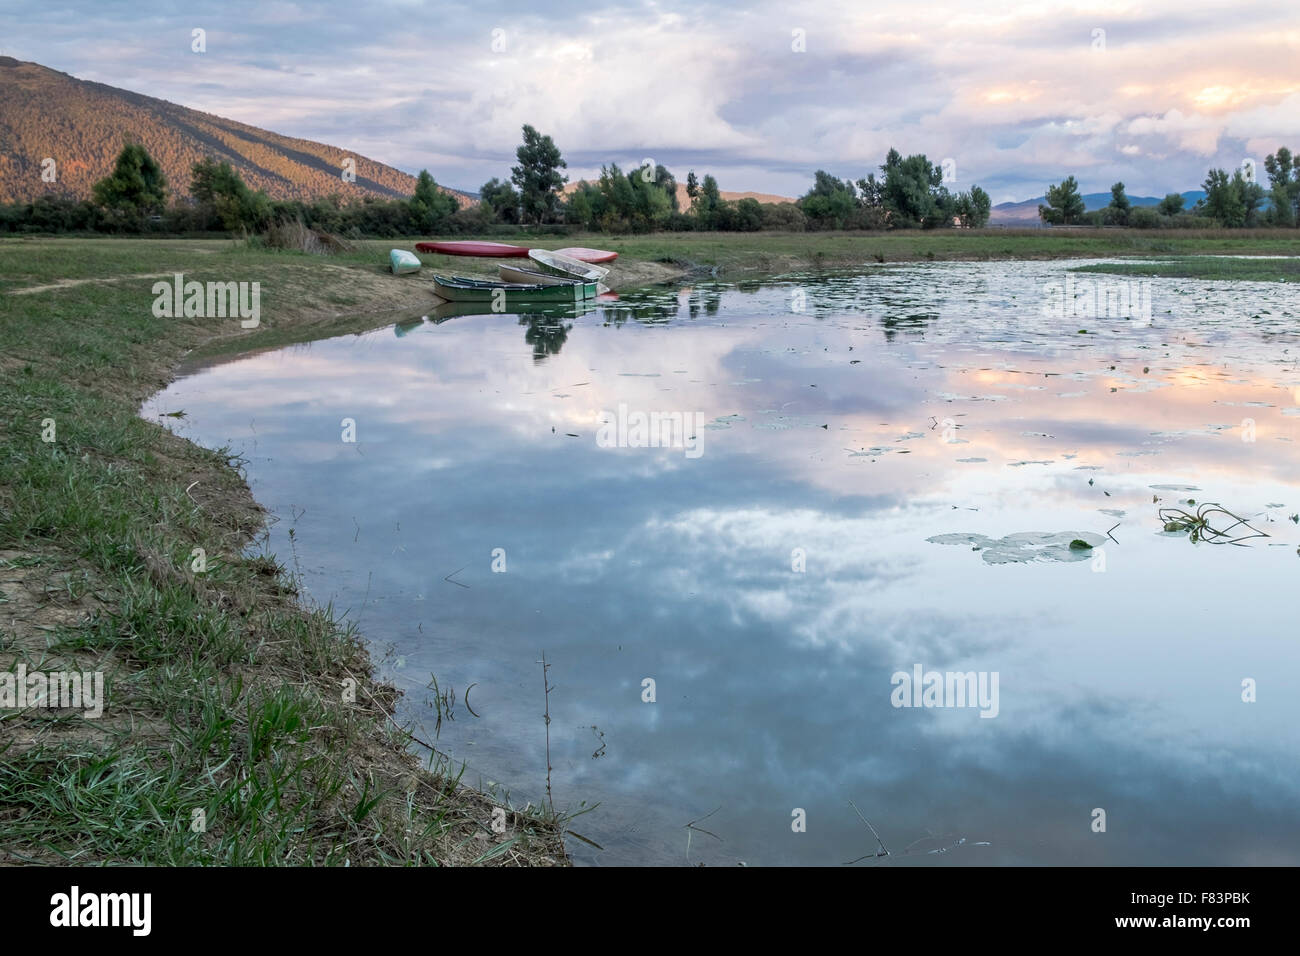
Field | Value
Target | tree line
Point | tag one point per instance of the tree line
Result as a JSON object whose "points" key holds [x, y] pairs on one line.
{"points": [[909, 193], [1230, 201], [136, 198]]}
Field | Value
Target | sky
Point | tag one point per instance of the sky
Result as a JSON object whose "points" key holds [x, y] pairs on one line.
{"points": [[1014, 96]]}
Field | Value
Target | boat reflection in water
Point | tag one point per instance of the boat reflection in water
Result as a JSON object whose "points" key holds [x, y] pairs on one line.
{"points": [[546, 327]]}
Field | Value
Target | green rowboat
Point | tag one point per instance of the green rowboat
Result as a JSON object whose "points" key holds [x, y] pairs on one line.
{"points": [[508, 294]]}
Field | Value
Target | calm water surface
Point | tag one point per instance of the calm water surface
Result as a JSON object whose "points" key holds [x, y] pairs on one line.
{"points": [[847, 418]]}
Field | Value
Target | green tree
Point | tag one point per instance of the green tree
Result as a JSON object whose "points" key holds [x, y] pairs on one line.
{"points": [[1284, 179], [973, 208], [1118, 210], [708, 206], [666, 182], [218, 188], [136, 184], [538, 176], [585, 207], [654, 197], [1064, 204], [430, 207], [617, 199], [501, 200], [1252, 196], [1221, 202], [1232, 202], [639, 200], [1171, 205], [913, 193], [749, 215], [831, 203]]}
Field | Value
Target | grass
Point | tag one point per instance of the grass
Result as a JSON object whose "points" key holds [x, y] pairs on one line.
{"points": [[1208, 267], [240, 727]]}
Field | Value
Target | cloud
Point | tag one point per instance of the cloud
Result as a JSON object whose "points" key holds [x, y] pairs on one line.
{"points": [[1018, 95]]}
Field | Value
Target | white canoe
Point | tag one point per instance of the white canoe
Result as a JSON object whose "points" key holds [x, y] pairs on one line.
{"points": [[555, 264], [515, 274], [403, 262]]}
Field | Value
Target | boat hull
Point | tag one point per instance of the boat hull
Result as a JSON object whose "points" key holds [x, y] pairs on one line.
{"points": [[462, 289], [485, 250], [402, 262], [583, 254]]}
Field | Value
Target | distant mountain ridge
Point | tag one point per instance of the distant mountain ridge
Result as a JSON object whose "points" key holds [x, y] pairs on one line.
{"points": [[82, 125], [1027, 210]]}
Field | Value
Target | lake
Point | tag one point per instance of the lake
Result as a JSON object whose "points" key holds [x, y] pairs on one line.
{"points": [[746, 522]]}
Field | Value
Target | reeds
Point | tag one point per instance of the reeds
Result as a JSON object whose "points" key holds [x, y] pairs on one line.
{"points": [[296, 236]]}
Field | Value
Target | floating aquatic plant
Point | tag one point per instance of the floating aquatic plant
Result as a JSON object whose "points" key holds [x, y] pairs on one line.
{"points": [[1206, 523], [1027, 546]]}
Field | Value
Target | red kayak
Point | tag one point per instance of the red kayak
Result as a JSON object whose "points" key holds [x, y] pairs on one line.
{"points": [[586, 255], [489, 250]]}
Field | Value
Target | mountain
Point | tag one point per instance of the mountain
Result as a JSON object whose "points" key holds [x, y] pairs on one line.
{"points": [[1026, 212], [684, 201], [82, 126]]}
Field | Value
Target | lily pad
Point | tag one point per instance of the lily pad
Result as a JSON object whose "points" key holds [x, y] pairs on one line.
{"points": [[1024, 547]]}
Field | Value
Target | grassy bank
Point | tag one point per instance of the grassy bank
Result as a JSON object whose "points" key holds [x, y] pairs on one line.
{"points": [[239, 727], [1204, 267]]}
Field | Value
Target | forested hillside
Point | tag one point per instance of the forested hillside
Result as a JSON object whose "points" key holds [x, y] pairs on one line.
{"points": [[82, 126]]}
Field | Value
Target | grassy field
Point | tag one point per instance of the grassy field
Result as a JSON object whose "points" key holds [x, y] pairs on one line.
{"points": [[225, 695], [229, 735], [1253, 269]]}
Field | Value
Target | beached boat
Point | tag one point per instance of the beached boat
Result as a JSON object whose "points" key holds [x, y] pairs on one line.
{"points": [[465, 289], [556, 264], [463, 247], [585, 254], [403, 262], [531, 277], [514, 274]]}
